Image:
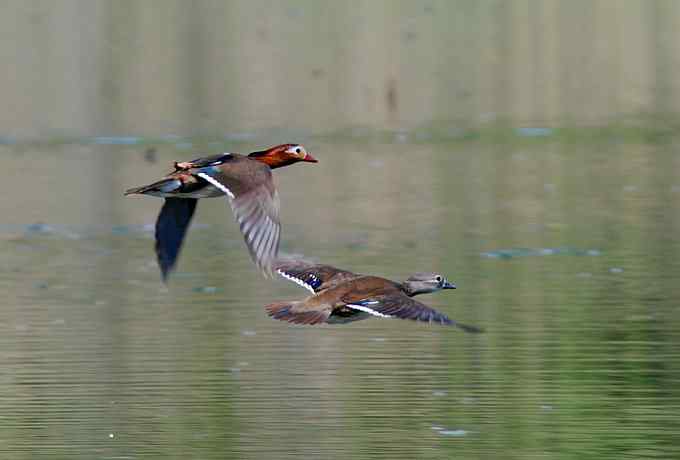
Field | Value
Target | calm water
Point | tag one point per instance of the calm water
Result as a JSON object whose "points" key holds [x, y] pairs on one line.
{"points": [[567, 253]]}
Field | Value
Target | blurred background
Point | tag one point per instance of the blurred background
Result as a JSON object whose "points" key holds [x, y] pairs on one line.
{"points": [[527, 149], [82, 68]]}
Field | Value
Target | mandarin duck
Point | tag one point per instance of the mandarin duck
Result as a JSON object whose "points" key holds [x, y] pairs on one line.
{"points": [[247, 183], [340, 296]]}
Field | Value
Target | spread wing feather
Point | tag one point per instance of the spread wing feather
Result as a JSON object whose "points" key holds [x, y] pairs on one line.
{"points": [[399, 305], [313, 277], [255, 204], [295, 312]]}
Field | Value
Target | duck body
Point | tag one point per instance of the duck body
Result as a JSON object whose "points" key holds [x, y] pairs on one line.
{"points": [[352, 292], [341, 297], [248, 184], [232, 174]]}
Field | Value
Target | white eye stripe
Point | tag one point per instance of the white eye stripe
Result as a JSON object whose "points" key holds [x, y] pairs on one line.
{"points": [[296, 280], [368, 310]]}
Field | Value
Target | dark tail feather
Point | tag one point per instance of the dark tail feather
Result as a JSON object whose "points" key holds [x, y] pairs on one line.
{"points": [[286, 311], [134, 190], [164, 185], [171, 227]]}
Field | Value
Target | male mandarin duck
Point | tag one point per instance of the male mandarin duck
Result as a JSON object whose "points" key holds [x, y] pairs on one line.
{"points": [[248, 184], [341, 296]]}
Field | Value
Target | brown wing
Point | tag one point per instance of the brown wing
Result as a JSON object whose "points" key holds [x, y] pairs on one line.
{"points": [[298, 312], [254, 200], [313, 277], [398, 305]]}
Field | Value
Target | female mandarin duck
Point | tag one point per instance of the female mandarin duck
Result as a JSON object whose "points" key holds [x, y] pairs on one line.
{"points": [[245, 180], [340, 296]]}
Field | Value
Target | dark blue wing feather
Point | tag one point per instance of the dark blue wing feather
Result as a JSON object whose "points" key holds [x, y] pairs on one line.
{"points": [[171, 227]]}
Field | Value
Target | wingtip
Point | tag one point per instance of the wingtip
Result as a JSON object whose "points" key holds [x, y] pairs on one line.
{"points": [[171, 227], [268, 271], [446, 321], [468, 328], [165, 271]]}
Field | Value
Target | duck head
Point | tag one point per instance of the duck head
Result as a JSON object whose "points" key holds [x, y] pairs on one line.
{"points": [[424, 283], [283, 155]]}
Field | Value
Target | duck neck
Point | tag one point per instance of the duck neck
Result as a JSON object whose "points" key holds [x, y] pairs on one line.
{"points": [[407, 289]]}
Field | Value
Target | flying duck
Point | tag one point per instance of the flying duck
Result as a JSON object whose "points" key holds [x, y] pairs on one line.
{"points": [[339, 296], [247, 183]]}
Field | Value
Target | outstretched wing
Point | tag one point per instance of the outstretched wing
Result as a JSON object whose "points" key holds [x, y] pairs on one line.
{"points": [[399, 305], [255, 203], [171, 227], [313, 277], [298, 312]]}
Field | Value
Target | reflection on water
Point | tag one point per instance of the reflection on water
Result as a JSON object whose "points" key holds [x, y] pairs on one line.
{"points": [[567, 255]]}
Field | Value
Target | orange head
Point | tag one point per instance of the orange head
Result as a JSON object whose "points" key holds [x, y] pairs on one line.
{"points": [[283, 155]]}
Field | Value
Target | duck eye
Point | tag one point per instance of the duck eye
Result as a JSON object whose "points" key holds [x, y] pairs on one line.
{"points": [[438, 279], [297, 150]]}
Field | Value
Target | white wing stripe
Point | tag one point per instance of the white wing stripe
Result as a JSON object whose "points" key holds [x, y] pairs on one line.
{"points": [[368, 310], [216, 183], [296, 280]]}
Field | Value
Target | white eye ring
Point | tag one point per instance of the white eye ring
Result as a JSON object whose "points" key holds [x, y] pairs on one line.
{"points": [[296, 150], [438, 279]]}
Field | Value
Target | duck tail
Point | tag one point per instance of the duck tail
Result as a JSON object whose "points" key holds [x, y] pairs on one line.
{"points": [[134, 190], [162, 186], [290, 311]]}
